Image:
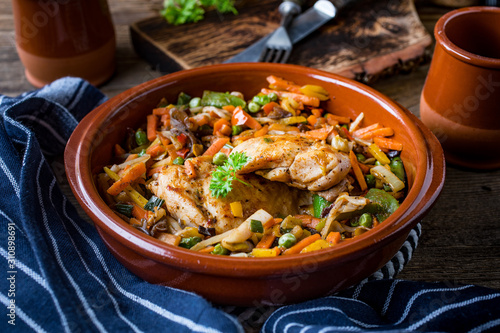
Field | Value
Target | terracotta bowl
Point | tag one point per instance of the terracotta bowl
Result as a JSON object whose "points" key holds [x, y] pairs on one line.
{"points": [[252, 281]]}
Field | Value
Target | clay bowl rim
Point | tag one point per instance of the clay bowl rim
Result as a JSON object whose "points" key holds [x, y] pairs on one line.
{"points": [[425, 189], [455, 50]]}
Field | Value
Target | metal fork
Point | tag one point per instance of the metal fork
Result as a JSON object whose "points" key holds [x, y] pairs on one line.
{"points": [[279, 46]]}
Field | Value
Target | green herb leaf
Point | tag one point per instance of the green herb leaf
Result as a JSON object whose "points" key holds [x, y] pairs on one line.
{"points": [[223, 176], [189, 11]]}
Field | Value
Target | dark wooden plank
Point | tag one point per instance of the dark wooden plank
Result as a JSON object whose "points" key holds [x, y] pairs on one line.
{"points": [[367, 41]]}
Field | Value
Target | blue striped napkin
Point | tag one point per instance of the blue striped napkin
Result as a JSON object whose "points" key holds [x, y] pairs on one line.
{"points": [[57, 275]]}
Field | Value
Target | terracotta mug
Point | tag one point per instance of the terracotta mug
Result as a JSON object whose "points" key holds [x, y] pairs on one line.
{"points": [[56, 38], [460, 101]]}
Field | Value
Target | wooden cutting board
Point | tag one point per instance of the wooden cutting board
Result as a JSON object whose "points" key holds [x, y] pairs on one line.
{"points": [[364, 42]]}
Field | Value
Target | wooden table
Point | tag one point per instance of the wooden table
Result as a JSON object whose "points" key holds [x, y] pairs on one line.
{"points": [[460, 240]]}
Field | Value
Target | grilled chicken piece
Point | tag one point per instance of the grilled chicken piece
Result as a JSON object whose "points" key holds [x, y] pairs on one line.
{"points": [[190, 200], [297, 161]]}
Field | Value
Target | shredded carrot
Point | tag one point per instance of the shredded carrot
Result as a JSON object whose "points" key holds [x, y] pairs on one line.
{"points": [[130, 175], [364, 168], [386, 143], [216, 146], [262, 131], [357, 171], [363, 131], [229, 108], [119, 150], [280, 83], [302, 244], [240, 117], [155, 150], [269, 107], [333, 237], [340, 119], [307, 100], [208, 249], [308, 220], [266, 241], [152, 125], [318, 134], [346, 133]]}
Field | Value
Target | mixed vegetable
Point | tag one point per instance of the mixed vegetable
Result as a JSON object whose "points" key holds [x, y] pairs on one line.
{"points": [[206, 129]]}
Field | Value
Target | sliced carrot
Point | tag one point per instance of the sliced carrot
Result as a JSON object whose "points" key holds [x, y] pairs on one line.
{"points": [[225, 130], [346, 133], [307, 100], [138, 212], [333, 237], [357, 171], [240, 117], [131, 157], [362, 131], [119, 151], [163, 139], [318, 134], [229, 108], [216, 146], [384, 131], [152, 125], [262, 131], [218, 125], [317, 112], [165, 120], [308, 220], [272, 222], [280, 83], [208, 249], [155, 150], [364, 168], [330, 120], [162, 111], [340, 119], [130, 175], [154, 170], [312, 119], [190, 169], [266, 241], [269, 107], [386, 143], [302, 244]]}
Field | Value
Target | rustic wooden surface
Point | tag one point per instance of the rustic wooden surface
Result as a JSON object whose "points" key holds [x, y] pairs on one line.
{"points": [[460, 240], [364, 42]]}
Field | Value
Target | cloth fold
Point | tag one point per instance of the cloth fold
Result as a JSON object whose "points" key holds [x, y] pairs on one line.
{"points": [[59, 276]]}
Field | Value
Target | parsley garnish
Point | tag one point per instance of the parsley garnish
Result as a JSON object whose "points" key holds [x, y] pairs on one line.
{"points": [[222, 177], [186, 11]]}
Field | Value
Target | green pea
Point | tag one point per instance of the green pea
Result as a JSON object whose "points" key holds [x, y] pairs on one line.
{"points": [[179, 161], [261, 99], [370, 180], [253, 107], [195, 102], [189, 242], [140, 137], [287, 240], [361, 157], [273, 96], [237, 129], [220, 250], [219, 159], [366, 220], [256, 226]]}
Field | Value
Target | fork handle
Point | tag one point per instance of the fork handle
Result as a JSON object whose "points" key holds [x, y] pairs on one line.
{"points": [[289, 9], [342, 3]]}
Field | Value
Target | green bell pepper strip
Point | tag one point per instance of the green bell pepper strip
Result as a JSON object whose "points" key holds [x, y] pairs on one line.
{"points": [[319, 205], [388, 204]]}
